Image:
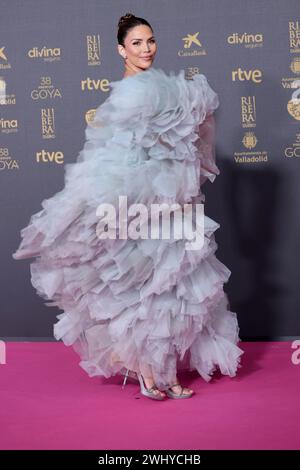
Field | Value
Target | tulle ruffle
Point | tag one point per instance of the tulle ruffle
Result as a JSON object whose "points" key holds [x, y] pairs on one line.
{"points": [[137, 303]]}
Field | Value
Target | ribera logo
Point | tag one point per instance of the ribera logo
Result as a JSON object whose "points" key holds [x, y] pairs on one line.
{"points": [[247, 40], [93, 49], [48, 54], [48, 123], [45, 90], [241, 75], [192, 46], [248, 111], [90, 84], [294, 36], [50, 156]]}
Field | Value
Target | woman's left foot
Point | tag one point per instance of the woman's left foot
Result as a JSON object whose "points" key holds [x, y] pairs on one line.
{"points": [[178, 391]]}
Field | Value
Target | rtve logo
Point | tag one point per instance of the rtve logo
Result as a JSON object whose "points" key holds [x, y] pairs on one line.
{"points": [[45, 156], [247, 76], [95, 84]]}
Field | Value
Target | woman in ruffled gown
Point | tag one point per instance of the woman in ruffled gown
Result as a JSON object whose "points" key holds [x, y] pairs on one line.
{"points": [[141, 307]]}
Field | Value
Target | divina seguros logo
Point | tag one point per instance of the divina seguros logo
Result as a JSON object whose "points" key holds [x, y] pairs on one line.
{"points": [[48, 54]]}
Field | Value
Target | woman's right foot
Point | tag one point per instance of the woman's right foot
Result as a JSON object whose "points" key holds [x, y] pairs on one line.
{"points": [[149, 389], [150, 384]]}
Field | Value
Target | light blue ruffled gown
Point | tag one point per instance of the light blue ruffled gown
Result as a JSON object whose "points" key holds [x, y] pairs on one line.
{"points": [[145, 303]]}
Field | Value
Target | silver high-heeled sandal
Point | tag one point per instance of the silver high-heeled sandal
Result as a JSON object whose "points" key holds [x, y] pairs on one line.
{"points": [[172, 394], [129, 374], [149, 392]]}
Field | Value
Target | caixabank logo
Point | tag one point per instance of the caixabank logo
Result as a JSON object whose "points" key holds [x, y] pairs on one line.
{"points": [[4, 63], [192, 46]]}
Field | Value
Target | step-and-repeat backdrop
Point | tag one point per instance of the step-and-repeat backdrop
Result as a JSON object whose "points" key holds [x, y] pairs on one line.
{"points": [[57, 59]]}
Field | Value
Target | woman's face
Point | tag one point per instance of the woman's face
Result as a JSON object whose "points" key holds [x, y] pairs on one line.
{"points": [[140, 48]]}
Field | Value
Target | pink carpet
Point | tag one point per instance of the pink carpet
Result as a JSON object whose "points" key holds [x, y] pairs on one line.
{"points": [[48, 402]]}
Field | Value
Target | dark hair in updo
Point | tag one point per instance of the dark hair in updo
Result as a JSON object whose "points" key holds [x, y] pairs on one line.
{"points": [[127, 22]]}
